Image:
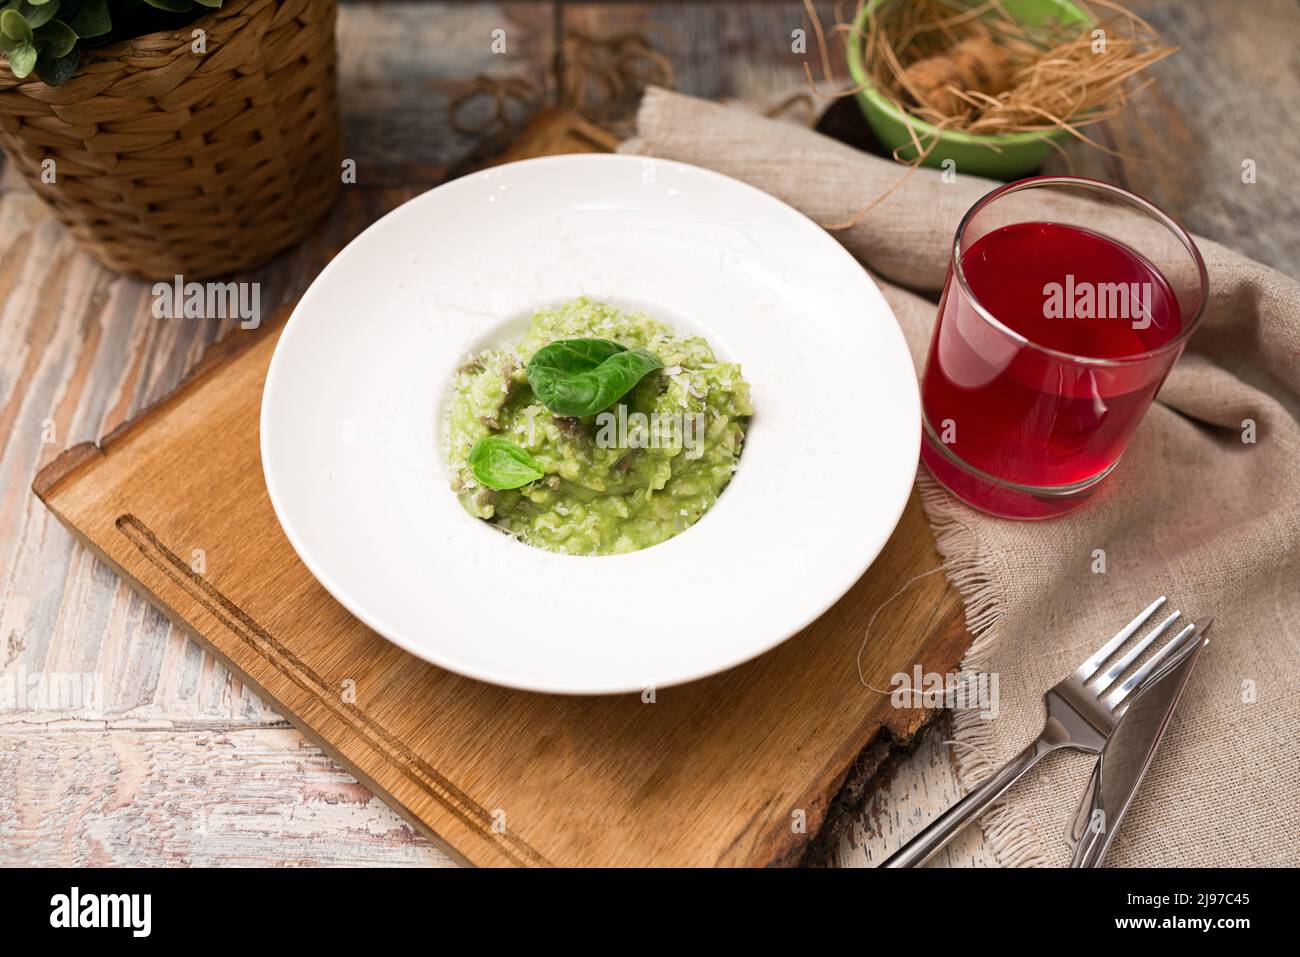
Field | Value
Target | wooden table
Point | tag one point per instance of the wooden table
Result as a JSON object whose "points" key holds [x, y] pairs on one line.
{"points": [[167, 759]]}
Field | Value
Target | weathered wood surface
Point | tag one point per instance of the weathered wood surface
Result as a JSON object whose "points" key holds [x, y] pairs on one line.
{"points": [[79, 355], [907, 798], [1231, 95]]}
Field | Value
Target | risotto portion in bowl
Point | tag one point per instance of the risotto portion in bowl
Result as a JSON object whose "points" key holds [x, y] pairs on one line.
{"points": [[600, 432]]}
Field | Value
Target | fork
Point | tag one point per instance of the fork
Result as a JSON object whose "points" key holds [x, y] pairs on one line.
{"points": [[1082, 711]]}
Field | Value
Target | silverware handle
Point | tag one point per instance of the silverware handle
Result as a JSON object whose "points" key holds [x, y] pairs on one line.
{"points": [[947, 825], [1089, 851]]}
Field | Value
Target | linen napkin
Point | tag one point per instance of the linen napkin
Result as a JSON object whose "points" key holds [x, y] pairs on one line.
{"points": [[1194, 511]]}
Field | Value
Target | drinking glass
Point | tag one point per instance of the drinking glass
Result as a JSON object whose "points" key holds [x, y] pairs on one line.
{"points": [[1067, 301]]}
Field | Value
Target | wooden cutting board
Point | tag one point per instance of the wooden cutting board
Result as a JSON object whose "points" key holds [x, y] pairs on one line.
{"points": [[738, 769]]}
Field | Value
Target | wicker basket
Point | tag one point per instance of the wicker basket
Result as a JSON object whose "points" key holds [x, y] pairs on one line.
{"points": [[168, 162]]}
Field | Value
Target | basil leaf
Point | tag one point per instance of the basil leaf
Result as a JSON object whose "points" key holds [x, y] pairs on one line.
{"points": [[499, 463], [576, 377]]}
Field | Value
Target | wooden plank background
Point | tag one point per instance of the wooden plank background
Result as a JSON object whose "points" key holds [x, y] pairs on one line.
{"points": [[168, 759]]}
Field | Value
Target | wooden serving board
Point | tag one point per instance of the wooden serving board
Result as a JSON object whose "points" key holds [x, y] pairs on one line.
{"points": [[738, 769]]}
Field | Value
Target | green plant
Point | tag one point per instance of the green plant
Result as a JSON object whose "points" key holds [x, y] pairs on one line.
{"points": [[499, 463], [46, 37], [583, 376]]}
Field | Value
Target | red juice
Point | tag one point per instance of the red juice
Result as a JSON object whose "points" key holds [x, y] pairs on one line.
{"points": [[1040, 413]]}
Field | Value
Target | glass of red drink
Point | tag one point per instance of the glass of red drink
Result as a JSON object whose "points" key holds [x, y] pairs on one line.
{"points": [[1066, 304]]}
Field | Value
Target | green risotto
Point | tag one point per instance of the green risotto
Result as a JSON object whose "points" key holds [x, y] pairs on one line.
{"points": [[647, 434]]}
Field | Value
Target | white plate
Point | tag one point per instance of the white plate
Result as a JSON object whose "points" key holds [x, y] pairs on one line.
{"points": [[352, 433]]}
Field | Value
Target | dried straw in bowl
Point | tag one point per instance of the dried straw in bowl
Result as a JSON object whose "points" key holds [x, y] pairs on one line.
{"points": [[169, 162], [976, 69], [971, 67]]}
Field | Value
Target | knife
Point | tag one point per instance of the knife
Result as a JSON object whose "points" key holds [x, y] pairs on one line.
{"points": [[1129, 751]]}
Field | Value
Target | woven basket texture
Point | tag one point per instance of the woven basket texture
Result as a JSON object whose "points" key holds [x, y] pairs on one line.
{"points": [[170, 162]]}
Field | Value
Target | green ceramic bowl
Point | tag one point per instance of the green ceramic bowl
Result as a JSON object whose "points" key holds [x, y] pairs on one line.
{"points": [[1016, 153]]}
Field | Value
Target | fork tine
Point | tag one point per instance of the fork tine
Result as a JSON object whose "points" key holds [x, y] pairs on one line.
{"points": [[1122, 692], [1202, 629], [1118, 668], [1089, 667]]}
